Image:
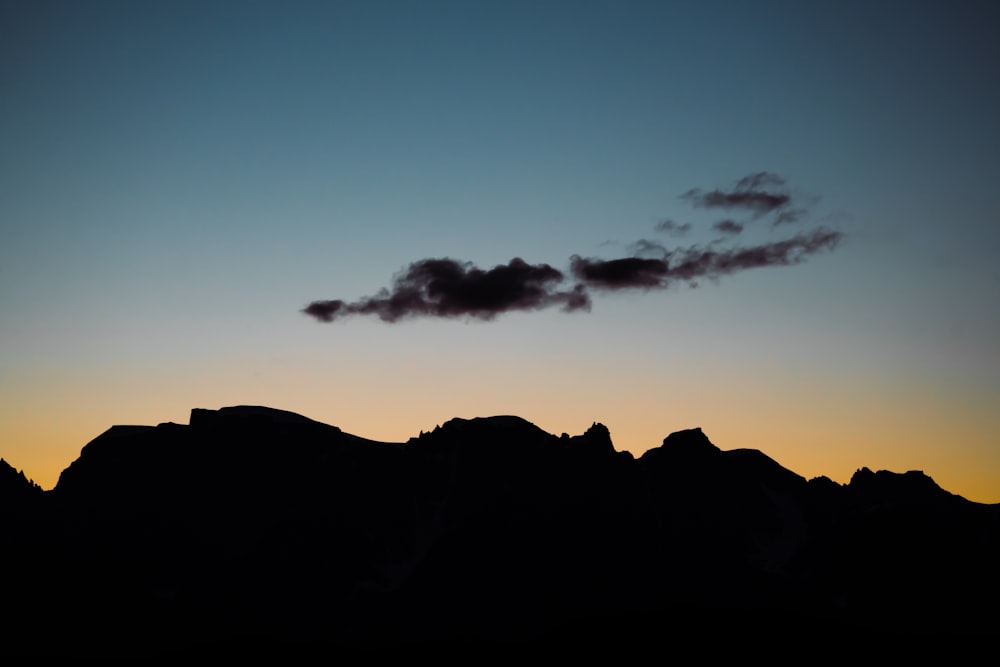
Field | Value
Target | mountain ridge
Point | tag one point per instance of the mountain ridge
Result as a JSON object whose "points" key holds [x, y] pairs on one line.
{"points": [[257, 413], [251, 522]]}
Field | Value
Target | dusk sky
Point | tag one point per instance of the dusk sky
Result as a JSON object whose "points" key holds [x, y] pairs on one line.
{"points": [[803, 195]]}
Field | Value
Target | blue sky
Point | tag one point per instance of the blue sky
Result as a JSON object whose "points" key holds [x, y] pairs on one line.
{"points": [[180, 179]]}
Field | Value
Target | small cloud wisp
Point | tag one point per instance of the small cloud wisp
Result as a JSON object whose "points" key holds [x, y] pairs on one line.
{"points": [[730, 227]]}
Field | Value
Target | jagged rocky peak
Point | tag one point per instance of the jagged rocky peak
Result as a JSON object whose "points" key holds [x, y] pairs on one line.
{"points": [[862, 476], [13, 483], [595, 440]]}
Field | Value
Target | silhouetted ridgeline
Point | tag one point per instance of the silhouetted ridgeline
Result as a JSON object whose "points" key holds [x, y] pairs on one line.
{"points": [[254, 528]]}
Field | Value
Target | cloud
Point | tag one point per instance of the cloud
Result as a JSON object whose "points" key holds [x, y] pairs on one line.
{"points": [[620, 273], [672, 228], [749, 193], [729, 227], [647, 247], [778, 253], [789, 216], [758, 180], [445, 287], [448, 288], [693, 263]]}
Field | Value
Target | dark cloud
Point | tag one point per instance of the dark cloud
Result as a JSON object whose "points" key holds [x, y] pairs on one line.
{"points": [[325, 311], [673, 228], [448, 288], [749, 194], [620, 273], [730, 227], [695, 262], [759, 202]]}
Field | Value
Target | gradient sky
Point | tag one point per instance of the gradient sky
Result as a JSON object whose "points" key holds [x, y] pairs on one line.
{"points": [[178, 180]]}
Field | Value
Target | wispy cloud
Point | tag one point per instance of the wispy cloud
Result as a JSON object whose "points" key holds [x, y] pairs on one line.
{"points": [[647, 247], [672, 228], [729, 227], [696, 262], [789, 216], [759, 193]]}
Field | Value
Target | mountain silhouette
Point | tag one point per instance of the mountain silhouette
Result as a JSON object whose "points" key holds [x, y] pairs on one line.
{"points": [[253, 529], [15, 488]]}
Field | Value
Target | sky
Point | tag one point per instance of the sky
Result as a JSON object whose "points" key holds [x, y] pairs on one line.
{"points": [[776, 221]]}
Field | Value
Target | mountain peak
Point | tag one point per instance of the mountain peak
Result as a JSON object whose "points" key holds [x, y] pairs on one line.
{"points": [[246, 414], [14, 485], [497, 423], [595, 440], [690, 442], [912, 485]]}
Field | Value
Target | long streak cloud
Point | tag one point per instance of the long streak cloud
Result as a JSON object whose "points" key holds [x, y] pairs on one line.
{"points": [[693, 263], [448, 288]]}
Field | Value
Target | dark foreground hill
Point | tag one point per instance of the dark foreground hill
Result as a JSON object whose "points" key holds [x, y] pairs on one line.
{"points": [[253, 530]]}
